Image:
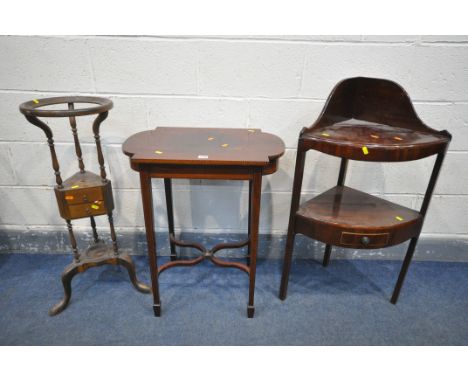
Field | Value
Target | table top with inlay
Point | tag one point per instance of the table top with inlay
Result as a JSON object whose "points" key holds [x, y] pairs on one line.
{"points": [[204, 146]]}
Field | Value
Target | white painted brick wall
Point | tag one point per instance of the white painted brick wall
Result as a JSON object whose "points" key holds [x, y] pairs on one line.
{"points": [[276, 83]]}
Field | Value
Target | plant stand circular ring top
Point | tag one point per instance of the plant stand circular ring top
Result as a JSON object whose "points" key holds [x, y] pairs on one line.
{"points": [[36, 107]]}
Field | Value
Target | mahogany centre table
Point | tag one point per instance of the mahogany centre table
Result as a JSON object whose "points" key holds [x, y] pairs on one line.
{"points": [[202, 153]]}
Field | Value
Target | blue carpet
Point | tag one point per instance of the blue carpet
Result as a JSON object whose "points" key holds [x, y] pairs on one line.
{"points": [[344, 304]]}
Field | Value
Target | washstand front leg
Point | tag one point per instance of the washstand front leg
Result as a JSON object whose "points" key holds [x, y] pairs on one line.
{"points": [[67, 277]]}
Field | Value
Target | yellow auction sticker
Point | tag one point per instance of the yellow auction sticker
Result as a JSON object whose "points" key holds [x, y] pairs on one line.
{"points": [[75, 186], [399, 218], [365, 150], [35, 101], [325, 135], [94, 206]]}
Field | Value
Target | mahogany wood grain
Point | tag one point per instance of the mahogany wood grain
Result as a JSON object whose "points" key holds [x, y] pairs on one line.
{"points": [[376, 114], [39, 107], [203, 146], [79, 154], [356, 214], [364, 119], [202, 153], [170, 215], [95, 256], [83, 194], [147, 201]]}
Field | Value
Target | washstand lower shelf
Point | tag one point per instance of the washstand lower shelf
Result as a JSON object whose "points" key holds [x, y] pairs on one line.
{"points": [[346, 217], [96, 255]]}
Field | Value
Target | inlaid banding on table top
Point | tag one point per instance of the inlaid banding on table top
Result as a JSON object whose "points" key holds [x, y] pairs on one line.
{"points": [[178, 145], [202, 153]]}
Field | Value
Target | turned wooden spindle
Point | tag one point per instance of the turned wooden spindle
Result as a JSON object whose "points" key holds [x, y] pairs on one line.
{"points": [[50, 141], [93, 226], [83, 194], [76, 254], [113, 236], [76, 139], [97, 122]]}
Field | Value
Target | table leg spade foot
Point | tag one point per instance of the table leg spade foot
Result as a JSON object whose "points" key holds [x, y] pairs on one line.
{"points": [[157, 310], [250, 311], [177, 163]]}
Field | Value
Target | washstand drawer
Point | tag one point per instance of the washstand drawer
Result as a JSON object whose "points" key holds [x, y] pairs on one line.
{"points": [[364, 240], [88, 209], [80, 196]]}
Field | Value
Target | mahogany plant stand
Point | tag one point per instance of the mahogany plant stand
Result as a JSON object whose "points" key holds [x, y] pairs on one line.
{"points": [[84, 194], [202, 153], [364, 119]]}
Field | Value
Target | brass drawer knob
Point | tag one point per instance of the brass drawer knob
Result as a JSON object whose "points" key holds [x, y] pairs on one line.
{"points": [[365, 240]]}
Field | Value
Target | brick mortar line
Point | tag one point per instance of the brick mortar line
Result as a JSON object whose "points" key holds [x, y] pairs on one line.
{"points": [[233, 188], [63, 228], [208, 97], [214, 38], [118, 145], [91, 66], [414, 41]]}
